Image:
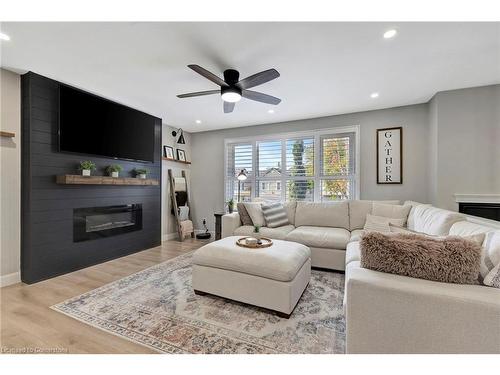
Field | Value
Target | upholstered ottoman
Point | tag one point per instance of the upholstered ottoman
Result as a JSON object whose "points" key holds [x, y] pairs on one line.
{"points": [[274, 277]]}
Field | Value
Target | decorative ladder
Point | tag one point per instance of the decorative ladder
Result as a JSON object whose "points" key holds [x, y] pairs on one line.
{"points": [[174, 202]]}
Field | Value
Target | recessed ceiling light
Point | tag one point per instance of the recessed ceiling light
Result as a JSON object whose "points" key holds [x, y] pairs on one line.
{"points": [[4, 36], [270, 111], [374, 95], [390, 33], [198, 121]]}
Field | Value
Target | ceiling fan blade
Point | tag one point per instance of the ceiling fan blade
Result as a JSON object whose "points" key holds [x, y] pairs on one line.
{"points": [[258, 79], [260, 97], [205, 73], [228, 107], [199, 93]]}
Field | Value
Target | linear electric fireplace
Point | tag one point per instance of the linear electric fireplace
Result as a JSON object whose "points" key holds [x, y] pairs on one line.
{"points": [[91, 223]]}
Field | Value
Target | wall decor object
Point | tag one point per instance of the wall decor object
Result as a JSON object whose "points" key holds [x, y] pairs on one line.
{"points": [[181, 136], [181, 155], [389, 155], [168, 152]]}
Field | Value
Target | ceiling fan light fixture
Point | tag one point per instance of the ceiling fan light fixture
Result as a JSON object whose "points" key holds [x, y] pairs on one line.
{"points": [[231, 97], [231, 94]]}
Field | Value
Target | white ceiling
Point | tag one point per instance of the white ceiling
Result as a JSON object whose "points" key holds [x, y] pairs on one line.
{"points": [[326, 68]]}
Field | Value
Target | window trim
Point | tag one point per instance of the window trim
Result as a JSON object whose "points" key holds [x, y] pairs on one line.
{"points": [[316, 134]]}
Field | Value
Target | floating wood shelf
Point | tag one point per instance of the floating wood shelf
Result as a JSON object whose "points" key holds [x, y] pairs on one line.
{"points": [[177, 161], [7, 134], [71, 179]]}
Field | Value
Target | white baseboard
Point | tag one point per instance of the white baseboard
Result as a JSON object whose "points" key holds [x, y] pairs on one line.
{"points": [[11, 278], [169, 236]]}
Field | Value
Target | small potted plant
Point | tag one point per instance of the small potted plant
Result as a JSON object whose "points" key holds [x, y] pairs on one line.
{"points": [[114, 170], [256, 233], [86, 167], [230, 205], [141, 172]]}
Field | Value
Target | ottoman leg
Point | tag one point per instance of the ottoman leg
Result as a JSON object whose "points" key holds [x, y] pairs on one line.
{"points": [[283, 315], [200, 293]]}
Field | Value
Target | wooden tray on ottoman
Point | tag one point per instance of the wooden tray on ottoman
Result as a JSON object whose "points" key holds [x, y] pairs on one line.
{"points": [[266, 242]]}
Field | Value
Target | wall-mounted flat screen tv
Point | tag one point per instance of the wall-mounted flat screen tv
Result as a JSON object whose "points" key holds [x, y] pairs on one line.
{"points": [[92, 125]]}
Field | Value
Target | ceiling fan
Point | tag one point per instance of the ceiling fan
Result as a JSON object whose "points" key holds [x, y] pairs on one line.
{"points": [[232, 89]]}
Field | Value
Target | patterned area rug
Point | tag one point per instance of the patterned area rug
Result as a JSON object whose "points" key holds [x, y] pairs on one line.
{"points": [[158, 308]]}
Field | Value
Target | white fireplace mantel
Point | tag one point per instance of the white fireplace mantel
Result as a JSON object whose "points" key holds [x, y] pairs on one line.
{"points": [[477, 198]]}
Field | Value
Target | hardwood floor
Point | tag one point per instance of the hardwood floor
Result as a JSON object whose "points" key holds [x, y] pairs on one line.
{"points": [[29, 325]]}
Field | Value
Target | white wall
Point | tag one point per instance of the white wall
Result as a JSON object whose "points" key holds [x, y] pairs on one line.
{"points": [[466, 129], [169, 230], [10, 184], [207, 172]]}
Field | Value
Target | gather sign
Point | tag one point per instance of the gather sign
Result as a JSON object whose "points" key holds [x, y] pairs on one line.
{"points": [[389, 150]]}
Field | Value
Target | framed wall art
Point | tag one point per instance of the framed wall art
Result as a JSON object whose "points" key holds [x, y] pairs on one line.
{"points": [[168, 152], [389, 156]]}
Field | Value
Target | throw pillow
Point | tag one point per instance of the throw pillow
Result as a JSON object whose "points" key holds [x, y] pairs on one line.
{"points": [[490, 260], [244, 216], [381, 224], [451, 259], [493, 277], [254, 210], [398, 229], [275, 215], [392, 211]]}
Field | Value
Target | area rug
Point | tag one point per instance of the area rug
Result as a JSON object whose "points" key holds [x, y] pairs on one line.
{"points": [[157, 308]]}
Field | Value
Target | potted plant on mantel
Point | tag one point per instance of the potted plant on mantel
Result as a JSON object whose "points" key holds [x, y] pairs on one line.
{"points": [[141, 172], [86, 167], [114, 170], [230, 205]]}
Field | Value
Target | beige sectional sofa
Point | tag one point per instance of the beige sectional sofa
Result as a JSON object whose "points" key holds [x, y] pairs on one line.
{"points": [[326, 228], [387, 313]]}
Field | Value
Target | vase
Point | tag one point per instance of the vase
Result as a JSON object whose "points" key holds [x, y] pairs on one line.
{"points": [[86, 172], [114, 174], [142, 175], [230, 209]]}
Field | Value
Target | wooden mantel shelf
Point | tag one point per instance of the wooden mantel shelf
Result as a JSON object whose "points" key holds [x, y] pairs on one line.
{"points": [[176, 161], [71, 179], [7, 134]]}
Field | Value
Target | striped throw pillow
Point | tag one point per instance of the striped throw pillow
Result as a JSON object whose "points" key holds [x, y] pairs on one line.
{"points": [[275, 215]]}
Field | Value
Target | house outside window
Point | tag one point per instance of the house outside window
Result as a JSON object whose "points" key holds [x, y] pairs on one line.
{"points": [[320, 165]]}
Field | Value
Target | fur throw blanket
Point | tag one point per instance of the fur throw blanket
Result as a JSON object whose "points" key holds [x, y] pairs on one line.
{"points": [[450, 259]]}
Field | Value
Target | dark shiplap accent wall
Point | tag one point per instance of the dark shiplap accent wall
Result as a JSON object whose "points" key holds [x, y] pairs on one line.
{"points": [[47, 247]]}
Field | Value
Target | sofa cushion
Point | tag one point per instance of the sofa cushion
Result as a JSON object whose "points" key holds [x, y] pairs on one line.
{"points": [[275, 214], [290, 207], [466, 228], [434, 221], [254, 210], [410, 224], [244, 230], [244, 216], [451, 259], [331, 214], [278, 233], [393, 211], [490, 260], [353, 253], [323, 237], [358, 209], [356, 235], [281, 262]]}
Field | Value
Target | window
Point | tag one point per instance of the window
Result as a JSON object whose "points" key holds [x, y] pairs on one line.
{"points": [[302, 166]]}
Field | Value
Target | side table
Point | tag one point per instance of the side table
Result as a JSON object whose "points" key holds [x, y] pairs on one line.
{"points": [[218, 224]]}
